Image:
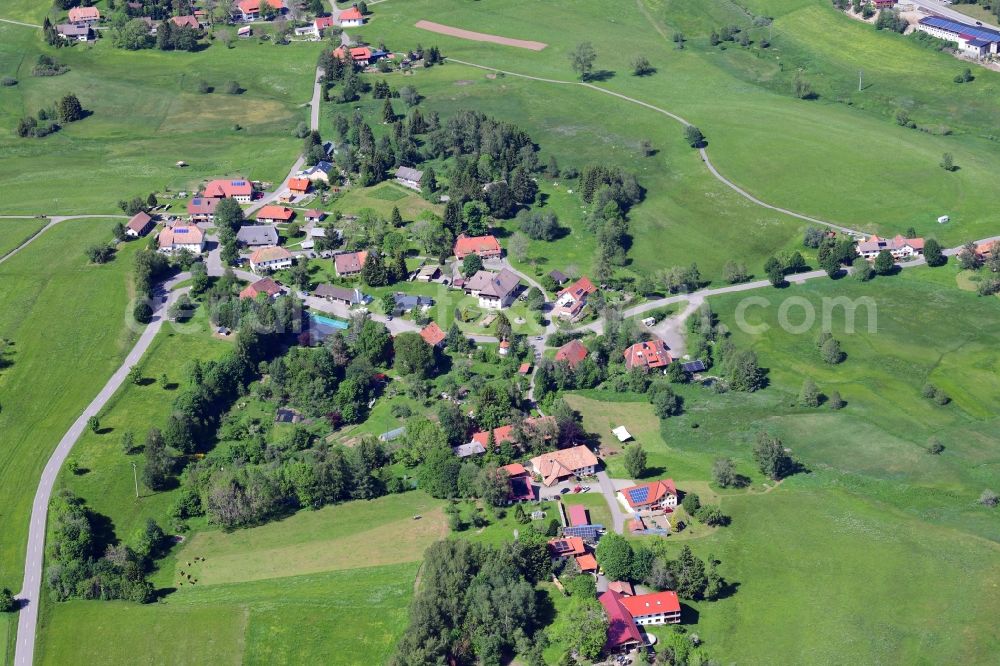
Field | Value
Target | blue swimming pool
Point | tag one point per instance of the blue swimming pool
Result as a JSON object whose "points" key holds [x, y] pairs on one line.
{"points": [[328, 321]]}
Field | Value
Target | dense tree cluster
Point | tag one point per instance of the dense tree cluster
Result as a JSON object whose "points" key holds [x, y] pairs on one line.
{"points": [[477, 603], [84, 566]]}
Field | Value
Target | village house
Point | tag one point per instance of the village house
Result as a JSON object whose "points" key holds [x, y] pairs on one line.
{"points": [[433, 335], [298, 186], [263, 286], [268, 259], [973, 40], [899, 247], [360, 55], [253, 10], [257, 235], [570, 546], [319, 171], [175, 239], [577, 515], [494, 290], [343, 295], [321, 23], [983, 250], [188, 21], [239, 189], [315, 215], [84, 15], [656, 608], [504, 347], [72, 31], [408, 177], [202, 209], [428, 273], [558, 277], [486, 247], [349, 264], [351, 18], [623, 633], [571, 301], [519, 480], [573, 352], [649, 355], [275, 214], [409, 302], [506, 433], [652, 496], [565, 463], [140, 225]]}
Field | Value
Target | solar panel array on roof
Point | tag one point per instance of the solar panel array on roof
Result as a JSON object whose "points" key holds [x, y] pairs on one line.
{"points": [[693, 366], [588, 532], [639, 495], [962, 28], [562, 546], [180, 230], [238, 183]]}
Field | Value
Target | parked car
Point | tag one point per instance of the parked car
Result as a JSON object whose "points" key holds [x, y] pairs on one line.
{"points": [[577, 489], [564, 491]]}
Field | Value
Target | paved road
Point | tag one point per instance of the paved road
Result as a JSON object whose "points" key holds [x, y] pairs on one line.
{"points": [[618, 516], [27, 620], [941, 9], [53, 221], [704, 154]]}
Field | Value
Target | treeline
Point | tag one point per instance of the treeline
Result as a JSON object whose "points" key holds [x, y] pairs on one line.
{"points": [[611, 193], [51, 119], [82, 566], [476, 604]]}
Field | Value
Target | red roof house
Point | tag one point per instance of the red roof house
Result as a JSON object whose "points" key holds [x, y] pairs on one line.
{"points": [[524, 369], [648, 355], [432, 334], [622, 587], [84, 15], [315, 215], [506, 433], [577, 515], [567, 547], [140, 224], [587, 563], [298, 185], [623, 634], [657, 608], [275, 214], [520, 483], [572, 352], [188, 21], [571, 300], [349, 263], [359, 54], [351, 17], [202, 209], [652, 496], [239, 189], [262, 286], [486, 247]]}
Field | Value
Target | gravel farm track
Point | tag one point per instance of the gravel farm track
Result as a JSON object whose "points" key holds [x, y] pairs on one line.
{"points": [[479, 36]]}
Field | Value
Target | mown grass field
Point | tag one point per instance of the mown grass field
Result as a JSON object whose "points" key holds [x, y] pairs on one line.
{"points": [[880, 553], [840, 157], [14, 232], [147, 115], [67, 322], [286, 592]]}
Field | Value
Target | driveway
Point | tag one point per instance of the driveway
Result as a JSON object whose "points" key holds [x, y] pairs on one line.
{"points": [[618, 515]]}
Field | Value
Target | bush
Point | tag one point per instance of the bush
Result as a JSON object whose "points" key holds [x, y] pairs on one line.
{"points": [[233, 88], [143, 313], [8, 81], [7, 603], [989, 498], [935, 447]]}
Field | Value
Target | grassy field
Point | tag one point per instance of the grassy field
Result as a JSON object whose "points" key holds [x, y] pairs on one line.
{"points": [[340, 617], [818, 162], [15, 232], [67, 322], [285, 592], [147, 115]]}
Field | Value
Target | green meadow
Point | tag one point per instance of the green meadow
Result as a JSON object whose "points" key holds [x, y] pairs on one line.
{"points": [[840, 157], [66, 320], [14, 232], [146, 115]]}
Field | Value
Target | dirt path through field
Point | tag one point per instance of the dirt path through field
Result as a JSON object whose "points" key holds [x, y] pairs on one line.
{"points": [[479, 36]]}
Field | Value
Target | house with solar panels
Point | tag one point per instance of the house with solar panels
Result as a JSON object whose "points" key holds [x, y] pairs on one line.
{"points": [[653, 496], [972, 40]]}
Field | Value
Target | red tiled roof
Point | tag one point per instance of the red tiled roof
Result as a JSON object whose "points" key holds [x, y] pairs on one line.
{"points": [[253, 6], [269, 254], [651, 354], [655, 491], [352, 14], [275, 213], [476, 244], [181, 235], [579, 289], [651, 604], [506, 433], [298, 184], [203, 206], [83, 14], [514, 470], [571, 546], [315, 213], [622, 587], [186, 21], [262, 286], [221, 187], [323, 22], [621, 627], [577, 515], [524, 368], [139, 222], [572, 352], [432, 334], [562, 463], [586, 562], [350, 262]]}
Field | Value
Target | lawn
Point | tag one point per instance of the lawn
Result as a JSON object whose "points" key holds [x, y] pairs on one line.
{"points": [[67, 322], [339, 617], [147, 115], [346, 536], [14, 232], [382, 198]]}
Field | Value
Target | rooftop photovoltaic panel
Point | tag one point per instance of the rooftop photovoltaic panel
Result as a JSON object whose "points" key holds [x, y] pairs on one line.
{"points": [[562, 546], [693, 366], [589, 532], [639, 495], [962, 28]]}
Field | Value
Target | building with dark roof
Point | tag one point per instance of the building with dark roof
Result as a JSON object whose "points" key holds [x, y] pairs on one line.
{"points": [[972, 40]]}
